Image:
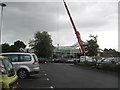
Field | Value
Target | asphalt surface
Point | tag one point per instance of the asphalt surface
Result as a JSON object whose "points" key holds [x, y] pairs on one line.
{"points": [[61, 75]]}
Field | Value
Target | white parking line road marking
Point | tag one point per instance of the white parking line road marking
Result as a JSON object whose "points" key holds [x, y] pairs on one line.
{"points": [[43, 74], [43, 71], [51, 87], [39, 78], [48, 79]]}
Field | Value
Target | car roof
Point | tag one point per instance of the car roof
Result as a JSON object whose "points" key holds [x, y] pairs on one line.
{"points": [[17, 53]]}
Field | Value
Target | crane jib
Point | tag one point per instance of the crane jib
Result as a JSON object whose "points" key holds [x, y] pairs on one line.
{"points": [[76, 32]]}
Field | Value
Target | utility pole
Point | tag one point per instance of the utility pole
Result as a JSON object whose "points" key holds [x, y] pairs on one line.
{"points": [[1, 22]]}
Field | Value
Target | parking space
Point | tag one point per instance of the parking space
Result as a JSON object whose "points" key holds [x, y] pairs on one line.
{"points": [[38, 81]]}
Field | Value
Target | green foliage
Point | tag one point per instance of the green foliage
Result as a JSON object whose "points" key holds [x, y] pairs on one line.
{"points": [[110, 52], [92, 47], [19, 44], [104, 66], [13, 48], [42, 44], [110, 67], [87, 64], [6, 47]]}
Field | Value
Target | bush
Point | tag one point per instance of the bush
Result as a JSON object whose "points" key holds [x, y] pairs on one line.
{"points": [[104, 66], [110, 67], [117, 67], [87, 64]]}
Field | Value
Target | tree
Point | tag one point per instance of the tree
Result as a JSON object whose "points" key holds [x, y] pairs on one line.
{"points": [[42, 44], [18, 45], [92, 47], [110, 53], [5, 47]]}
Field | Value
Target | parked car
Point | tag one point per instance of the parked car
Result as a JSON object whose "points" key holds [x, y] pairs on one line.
{"points": [[86, 58], [118, 62], [55, 60], [42, 60], [8, 77], [61, 60], [77, 60], [111, 60], [70, 60], [25, 64]]}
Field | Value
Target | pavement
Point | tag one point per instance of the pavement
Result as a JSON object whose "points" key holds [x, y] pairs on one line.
{"points": [[62, 75]]}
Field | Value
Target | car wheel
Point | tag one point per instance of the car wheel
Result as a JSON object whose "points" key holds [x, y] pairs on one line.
{"points": [[22, 74]]}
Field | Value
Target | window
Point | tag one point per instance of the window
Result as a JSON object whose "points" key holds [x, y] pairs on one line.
{"points": [[24, 58], [35, 57], [1, 66], [13, 58]]}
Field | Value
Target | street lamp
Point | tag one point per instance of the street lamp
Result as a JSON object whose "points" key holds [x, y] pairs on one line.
{"points": [[2, 5]]}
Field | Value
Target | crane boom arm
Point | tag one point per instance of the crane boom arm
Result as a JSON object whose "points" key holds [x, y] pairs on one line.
{"points": [[76, 32]]}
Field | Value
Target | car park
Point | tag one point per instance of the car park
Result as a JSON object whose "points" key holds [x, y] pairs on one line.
{"points": [[8, 77], [25, 64]]}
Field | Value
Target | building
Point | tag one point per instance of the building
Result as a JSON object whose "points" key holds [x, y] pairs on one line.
{"points": [[67, 51]]}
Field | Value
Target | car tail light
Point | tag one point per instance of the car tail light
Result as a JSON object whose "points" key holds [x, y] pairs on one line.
{"points": [[35, 63]]}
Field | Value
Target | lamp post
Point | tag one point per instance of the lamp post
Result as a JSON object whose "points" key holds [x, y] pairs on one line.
{"points": [[2, 6]]}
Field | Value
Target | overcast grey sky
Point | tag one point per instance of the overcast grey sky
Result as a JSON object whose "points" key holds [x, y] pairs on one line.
{"points": [[22, 19]]}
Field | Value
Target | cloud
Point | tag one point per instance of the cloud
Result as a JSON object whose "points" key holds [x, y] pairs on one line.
{"points": [[23, 19]]}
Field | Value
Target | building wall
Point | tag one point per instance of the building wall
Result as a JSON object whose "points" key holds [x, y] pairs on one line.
{"points": [[67, 51]]}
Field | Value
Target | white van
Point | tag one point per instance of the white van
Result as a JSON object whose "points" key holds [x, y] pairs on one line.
{"points": [[86, 58]]}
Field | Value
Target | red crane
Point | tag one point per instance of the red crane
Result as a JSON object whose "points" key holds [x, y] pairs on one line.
{"points": [[76, 32]]}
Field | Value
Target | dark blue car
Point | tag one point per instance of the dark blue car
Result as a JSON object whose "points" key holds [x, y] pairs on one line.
{"points": [[42, 60]]}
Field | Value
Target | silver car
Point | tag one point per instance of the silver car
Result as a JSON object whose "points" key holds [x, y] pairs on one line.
{"points": [[25, 64]]}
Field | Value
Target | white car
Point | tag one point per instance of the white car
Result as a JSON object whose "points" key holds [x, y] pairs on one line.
{"points": [[24, 63]]}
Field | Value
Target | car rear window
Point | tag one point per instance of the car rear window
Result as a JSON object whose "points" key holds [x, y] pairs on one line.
{"points": [[24, 58]]}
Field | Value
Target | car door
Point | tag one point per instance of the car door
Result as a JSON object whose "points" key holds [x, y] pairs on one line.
{"points": [[25, 61]]}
